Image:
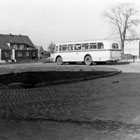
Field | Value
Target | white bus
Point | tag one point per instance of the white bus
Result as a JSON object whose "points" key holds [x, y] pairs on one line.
{"points": [[87, 52]]}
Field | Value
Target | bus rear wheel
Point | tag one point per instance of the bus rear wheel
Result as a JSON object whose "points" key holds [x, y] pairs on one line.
{"points": [[59, 60], [88, 60]]}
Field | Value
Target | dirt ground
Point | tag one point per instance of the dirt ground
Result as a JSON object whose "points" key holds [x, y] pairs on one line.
{"points": [[114, 101], [100, 109]]}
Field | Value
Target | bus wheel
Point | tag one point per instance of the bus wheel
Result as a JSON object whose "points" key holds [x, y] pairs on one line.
{"points": [[88, 60], [59, 60]]}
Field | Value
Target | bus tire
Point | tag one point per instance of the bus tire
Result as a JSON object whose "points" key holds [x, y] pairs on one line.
{"points": [[88, 60], [59, 60]]}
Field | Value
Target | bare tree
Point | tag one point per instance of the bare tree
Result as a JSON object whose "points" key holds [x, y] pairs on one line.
{"points": [[123, 18], [51, 47]]}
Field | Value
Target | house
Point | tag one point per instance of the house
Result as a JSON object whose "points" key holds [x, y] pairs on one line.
{"points": [[17, 48], [132, 47]]}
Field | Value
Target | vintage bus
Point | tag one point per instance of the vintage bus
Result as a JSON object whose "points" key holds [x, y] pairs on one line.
{"points": [[87, 52]]}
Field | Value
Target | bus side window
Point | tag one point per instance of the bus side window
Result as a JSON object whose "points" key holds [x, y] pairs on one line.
{"points": [[100, 46], [93, 46], [60, 48], [77, 46], [85, 46], [70, 47], [64, 48]]}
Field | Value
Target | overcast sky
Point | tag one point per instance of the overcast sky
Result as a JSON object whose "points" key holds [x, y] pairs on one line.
{"points": [[56, 20]]}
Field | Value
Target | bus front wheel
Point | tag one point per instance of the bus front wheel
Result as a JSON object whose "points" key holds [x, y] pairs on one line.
{"points": [[59, 60], [88, 60]]}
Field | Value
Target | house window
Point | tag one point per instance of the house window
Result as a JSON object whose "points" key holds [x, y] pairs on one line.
{"points": [[27, 54], [34, 54], [19, 54], [21, 47], [6, 54], [15, 46], [28, 48]]}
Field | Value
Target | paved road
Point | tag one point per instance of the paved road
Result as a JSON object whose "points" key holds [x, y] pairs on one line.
{"points": [[123, 66]]}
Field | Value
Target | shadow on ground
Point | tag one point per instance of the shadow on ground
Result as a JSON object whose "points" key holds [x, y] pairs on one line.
{"points": [[38, 79]]}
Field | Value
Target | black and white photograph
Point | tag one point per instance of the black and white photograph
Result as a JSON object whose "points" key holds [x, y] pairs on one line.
{"points": [[69, 70]]}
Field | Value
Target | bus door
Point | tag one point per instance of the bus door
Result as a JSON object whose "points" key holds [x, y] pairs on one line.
{"points": [[71, 55], [78, 49]]}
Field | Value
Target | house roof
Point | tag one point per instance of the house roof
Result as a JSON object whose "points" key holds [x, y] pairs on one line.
{"points": [[18, 39], [4, 46]]}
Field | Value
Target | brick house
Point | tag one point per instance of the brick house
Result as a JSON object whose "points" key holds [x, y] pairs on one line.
{"points": [[17, 48]]}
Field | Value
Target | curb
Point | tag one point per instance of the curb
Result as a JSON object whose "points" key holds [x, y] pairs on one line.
{"points": [[78, 79], [25, 86]]}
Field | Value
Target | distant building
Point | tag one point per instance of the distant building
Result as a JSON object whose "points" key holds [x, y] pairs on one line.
{"points": [[132, 46], [17, 48], [42, 53]]}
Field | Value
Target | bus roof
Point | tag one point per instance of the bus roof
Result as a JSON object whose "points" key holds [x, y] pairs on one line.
{"points": [[87, 41]]}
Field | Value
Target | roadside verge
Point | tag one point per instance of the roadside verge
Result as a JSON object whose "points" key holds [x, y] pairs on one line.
{"points": [[33, 79]]}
